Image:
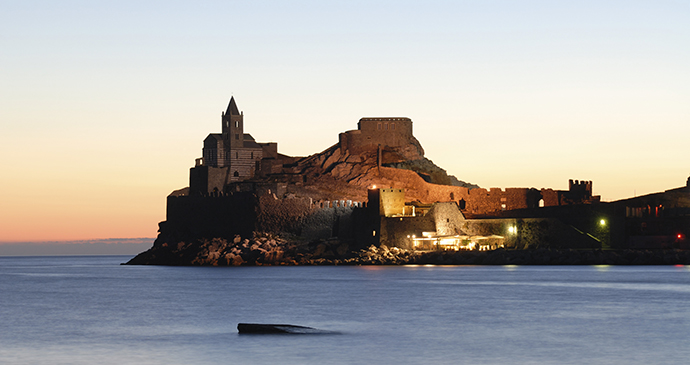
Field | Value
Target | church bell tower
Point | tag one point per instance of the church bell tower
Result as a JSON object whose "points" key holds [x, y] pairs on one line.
{"points": [[233, 129]]}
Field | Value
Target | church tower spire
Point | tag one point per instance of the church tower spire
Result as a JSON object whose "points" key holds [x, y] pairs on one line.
{"points": [[232, 107], [232, 125]]}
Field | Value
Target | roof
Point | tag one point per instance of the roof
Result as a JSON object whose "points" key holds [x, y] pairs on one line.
{"points": [[251, 144], [216, 136], [232, 107]]}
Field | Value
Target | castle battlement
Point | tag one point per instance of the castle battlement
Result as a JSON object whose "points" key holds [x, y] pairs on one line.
{"points": [[580, 186]]}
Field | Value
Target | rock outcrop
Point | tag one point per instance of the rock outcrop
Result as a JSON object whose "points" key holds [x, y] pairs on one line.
{"points": [[338, 173], [268, 249]]}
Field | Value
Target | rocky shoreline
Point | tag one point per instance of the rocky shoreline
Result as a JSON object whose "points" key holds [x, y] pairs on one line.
{"points": [[272, 250]]}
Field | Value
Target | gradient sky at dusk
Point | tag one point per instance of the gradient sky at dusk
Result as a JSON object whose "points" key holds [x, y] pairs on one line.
{"points": [[104, 105]]}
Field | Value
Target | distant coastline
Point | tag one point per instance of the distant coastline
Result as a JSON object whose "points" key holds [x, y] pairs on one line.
{"points": [[108, 246]]}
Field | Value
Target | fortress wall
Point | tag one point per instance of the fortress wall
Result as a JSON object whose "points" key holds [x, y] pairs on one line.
{"points": [[281, 215], [476, 201], [206, 179], [330, 222], [242, 213], [371, 132], [416, 187], [521, 198], [386, 128], [447, 218], [445, 193], [394, 231], [483, 201], [198, 216], [550, 197], [349, 141]]}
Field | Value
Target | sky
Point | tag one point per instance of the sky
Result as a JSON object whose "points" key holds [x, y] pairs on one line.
{"points": [[104, 105]]}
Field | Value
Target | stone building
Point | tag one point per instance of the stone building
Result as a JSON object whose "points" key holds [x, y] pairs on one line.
{"points": [[392, 133], [230, 156], [443, 226], [408, 209]]}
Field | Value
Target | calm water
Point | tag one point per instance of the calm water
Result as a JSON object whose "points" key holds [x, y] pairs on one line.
{"points": [[86, 310]]}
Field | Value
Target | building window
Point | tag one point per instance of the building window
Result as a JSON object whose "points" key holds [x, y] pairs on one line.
{"points": [[236, 174], [252, 156], [237, 136], [378, 126], [237, 155], [385, 126], [392, 126], [237, 124]]}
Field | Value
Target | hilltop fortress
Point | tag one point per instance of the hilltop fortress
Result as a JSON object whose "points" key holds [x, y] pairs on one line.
{"points": [[380, 152], [375, 187]]}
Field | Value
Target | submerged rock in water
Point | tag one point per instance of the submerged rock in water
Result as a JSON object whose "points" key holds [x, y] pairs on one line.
{"points": [[259, 328]]}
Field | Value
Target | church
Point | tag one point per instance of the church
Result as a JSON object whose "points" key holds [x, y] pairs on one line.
{"points": [[230, 156]]}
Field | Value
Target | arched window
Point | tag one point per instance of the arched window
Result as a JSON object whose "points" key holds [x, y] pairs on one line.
{"points": [[392, 126], [541, 203], [237, 155], [236, 174]]}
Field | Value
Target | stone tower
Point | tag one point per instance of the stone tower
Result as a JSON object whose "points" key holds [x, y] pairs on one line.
{"points": [[232, 129]]}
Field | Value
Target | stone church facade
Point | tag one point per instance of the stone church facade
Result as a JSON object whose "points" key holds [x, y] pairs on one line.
{"points": [[229, 156]]}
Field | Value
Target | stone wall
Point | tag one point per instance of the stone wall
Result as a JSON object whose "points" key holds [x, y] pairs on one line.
{"points": [[218, 216], [396, 232], [447, 218], [207, 179], [530, 233], [550, 197], [224, 215], [392, 133], [442, 219], [483, 201], [244, 162]]}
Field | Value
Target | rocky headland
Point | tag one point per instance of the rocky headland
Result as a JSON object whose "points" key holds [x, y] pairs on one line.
{"points": [[329, 209], [269, 249]]}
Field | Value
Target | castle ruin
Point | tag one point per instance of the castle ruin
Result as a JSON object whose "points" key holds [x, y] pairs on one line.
{"points": [[240, 184]]}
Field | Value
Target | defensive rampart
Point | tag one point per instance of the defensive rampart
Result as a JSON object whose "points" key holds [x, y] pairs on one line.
{"points": [[242, 213]]}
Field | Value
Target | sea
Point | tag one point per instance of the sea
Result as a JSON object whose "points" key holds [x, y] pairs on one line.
{"points": [[92, 310]]}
